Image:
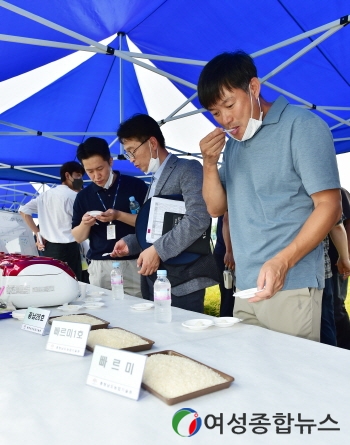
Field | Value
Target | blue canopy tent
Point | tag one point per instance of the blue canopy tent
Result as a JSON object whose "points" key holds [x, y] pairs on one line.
{"points": [[300, 48]]}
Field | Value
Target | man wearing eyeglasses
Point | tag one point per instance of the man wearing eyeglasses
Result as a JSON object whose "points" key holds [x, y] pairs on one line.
{"points": [[144, 146], [109, 193]]}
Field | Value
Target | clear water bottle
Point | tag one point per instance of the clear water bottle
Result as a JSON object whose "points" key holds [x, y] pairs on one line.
{"points": [[117, 282], [134, 205], [162, 298]]}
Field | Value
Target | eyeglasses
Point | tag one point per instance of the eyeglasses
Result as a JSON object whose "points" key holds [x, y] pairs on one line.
{"points": [[131, 154]]}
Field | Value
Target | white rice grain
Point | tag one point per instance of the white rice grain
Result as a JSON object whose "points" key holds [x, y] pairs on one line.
{"points": [[114, 338], [173, 376], [79, 319]]}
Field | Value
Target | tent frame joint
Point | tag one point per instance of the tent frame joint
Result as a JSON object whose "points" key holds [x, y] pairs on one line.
{"points": [[345, 20], [110, 51]]}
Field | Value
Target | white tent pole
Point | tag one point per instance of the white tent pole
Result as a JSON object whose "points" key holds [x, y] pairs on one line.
{"points": [[300, 53], [107, 49], [180, 116], [36, 172], [297, 38], [310, 105], [326, 107], [16, 190], [341, 139], [50, 43], [180, 108], [37, 133], [114, 141], [337, 125]]}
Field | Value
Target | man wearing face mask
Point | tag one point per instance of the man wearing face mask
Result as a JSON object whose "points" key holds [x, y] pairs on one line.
{"points": [[55, 210], [144, 146], [109, 193], [279, 182]]}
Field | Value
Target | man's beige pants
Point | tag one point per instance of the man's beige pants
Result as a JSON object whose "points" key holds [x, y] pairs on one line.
{"points": [[295, 312]]}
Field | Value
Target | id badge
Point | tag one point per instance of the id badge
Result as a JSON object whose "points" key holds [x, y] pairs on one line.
{"points": [[111, 231]]}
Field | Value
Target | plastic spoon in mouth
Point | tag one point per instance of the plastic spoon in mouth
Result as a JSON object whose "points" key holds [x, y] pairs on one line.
{"points": [[228, 132]]}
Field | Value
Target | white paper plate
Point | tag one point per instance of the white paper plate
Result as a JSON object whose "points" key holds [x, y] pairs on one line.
{"points": [[19, 314], [248, 293], [70, 307], [142, 306], [198, 324], [225, 322], [94, 212], [93, 304]]}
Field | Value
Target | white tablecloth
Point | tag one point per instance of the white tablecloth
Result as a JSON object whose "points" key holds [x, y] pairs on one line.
{"points": [[44, 398]]}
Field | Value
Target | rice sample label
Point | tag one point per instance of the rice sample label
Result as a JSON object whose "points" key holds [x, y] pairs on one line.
{"points": [[117, 371], [68, 337], [35, 321]]}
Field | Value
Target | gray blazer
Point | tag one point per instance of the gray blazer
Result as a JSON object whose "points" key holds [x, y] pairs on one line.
{"points": [[185, 177]]}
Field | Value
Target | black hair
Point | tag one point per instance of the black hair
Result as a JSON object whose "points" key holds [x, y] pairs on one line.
{"points": [[227, 70], [71, 167], [93, 146], [140, 127]]}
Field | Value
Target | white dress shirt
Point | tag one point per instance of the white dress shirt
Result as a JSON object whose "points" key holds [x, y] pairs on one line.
{"points": [[55, 210]]}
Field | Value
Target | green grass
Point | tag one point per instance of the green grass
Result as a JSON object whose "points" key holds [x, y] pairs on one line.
{"points": [[212, 301]]}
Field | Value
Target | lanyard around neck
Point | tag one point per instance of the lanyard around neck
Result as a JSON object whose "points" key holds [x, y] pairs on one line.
{"points": [[115, 196]]}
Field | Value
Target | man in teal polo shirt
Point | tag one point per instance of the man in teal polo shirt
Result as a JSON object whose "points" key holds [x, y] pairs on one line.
{"points": [[280, 184]]}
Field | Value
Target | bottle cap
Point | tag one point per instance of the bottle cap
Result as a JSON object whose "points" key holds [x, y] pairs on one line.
{"points": [[116, 264], [161, 273], [132, 198]]}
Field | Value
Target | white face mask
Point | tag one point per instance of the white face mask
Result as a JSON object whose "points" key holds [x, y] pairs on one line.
{"points": [[109, 180], [154, 163], [253, 124]]}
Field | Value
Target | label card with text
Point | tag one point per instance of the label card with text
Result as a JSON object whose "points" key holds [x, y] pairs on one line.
{"points": [[36, 320], [117, 371], [68, 337]]}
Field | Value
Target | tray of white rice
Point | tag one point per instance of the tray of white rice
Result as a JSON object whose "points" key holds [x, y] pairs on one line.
{"points": [[118, 338], [174, 378], [95, 322]]}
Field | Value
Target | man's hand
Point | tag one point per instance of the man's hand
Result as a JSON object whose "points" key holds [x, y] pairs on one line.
{"points": [[229, 260], [39, 245], [343, 265], [211, 146], [88, 220], [271, 278], [149, 261], [109, 215], [120, 249]]}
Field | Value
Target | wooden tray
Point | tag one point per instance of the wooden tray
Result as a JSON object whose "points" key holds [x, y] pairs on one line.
{"points": [[191, 395], [138, 348], [93, 327]]}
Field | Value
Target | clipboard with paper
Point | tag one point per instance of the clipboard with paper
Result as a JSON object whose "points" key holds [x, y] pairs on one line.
{"points": [[158, 207]]}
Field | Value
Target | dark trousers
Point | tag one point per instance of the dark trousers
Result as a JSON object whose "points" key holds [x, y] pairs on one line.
{"points": [[68, 253], [190, 302], [328, 330], [227, 299], [341, 316]]}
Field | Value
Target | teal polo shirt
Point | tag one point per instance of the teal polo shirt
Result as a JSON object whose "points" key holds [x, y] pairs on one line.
{"points": [[268, 181]]}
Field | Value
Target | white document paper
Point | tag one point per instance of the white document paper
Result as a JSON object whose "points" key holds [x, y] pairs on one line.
{"points": [[156, 216]]}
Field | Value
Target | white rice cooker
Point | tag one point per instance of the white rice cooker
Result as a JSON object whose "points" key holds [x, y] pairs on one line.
{"points": [[36, 281]]}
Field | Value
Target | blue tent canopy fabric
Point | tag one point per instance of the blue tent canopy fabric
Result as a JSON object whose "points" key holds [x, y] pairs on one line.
{"points": [[87, 99]]}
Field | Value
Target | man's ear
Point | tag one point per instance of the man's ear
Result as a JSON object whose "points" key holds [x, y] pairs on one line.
{"points": [[111, 161], [153, 142], [255, 87]]}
